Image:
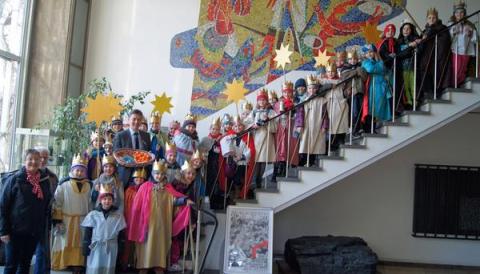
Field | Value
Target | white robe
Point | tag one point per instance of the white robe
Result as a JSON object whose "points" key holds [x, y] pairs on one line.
{"points": [[337, 108], [313, 140], [70, 207], [264, 136], [104, 246]]}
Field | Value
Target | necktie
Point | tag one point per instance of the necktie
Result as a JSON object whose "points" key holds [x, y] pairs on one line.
{"points": [[136, 140]]}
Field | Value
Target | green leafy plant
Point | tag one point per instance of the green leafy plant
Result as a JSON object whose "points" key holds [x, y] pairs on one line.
{"points": [[72, 132]]}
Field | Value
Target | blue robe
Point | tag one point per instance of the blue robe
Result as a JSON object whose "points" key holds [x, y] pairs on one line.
{"points": [[381, 96]]}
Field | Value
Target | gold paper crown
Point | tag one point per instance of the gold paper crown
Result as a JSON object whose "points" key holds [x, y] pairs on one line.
{"points": [[216, 122], [331, 67], [78, 160], [352, 54], [190, 117], [341, 54], [196, 155], [106, 189], [108, 159], [95, 136], [287, 86], [432, 11], [155, 117], [140, 173], [459, 5], [247, 106], [186, 166], [160, 166], [312, 80], [116, 119], [272, 95], [238, 120], [170, 146]]}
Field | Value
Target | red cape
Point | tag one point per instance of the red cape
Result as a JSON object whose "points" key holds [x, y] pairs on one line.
{"points": [[140, 213]]}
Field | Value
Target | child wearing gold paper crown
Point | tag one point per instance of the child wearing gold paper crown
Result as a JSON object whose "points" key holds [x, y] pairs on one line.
{"points": [[171, 160], [95, 154], [313, 138], [337, 109], [71, 205], [102, 227], [186, 139], [211, 145], [245, 115], [289, 128], [139, 177], [183, 184], [159, 139], [152, 213], [109, 180], [264, 136], [239, 160]]}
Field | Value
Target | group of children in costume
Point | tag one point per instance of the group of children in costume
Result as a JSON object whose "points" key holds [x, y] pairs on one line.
{"points": [[311, 118]]}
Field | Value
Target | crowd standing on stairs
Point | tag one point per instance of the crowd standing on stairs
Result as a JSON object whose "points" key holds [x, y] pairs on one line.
{"points": [[104, 216]]}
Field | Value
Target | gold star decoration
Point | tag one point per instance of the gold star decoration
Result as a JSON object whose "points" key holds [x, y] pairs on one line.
{"points": [[371, 33], [322, 59], [162, 104], [282, 56], [235, 91], [102, 108], [395, 3]]}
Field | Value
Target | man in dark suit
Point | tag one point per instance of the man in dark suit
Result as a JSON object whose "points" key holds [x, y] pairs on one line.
{"points": [[132, 137]]}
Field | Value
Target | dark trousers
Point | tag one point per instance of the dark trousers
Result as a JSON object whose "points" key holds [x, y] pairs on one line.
{"points": [[41, 256], [18, 253], [357, 108]]}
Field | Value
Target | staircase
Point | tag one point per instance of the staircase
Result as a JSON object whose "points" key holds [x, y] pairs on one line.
{"points": [[395, 135]]}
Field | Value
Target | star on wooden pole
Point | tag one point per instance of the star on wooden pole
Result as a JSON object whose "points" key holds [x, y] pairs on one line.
{"points": [[322, 59], [283, 56], [162, 104], [371, 33], [235, 91], [102, 108]]}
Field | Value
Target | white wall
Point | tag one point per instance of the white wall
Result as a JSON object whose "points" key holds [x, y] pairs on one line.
{"points": [[129, 43], [376, 204]]}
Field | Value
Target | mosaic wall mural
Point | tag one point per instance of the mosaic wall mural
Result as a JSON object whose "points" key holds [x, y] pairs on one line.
{"points": [[236, 39]]}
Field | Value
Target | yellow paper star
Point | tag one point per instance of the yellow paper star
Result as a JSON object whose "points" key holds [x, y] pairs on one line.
{"points": [[162, 104], [395, 3], [102, 108], [371, 33], [235, 91], [322, 59], [282, 56]]}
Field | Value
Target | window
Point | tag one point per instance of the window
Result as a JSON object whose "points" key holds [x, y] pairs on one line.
{"points": [[12, 48]]}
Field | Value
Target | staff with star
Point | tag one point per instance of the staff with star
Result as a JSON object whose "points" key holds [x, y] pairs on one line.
{"points": [[158, 138]]}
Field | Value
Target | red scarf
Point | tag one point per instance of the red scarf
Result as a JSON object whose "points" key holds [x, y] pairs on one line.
{"points": [[34, 180]]}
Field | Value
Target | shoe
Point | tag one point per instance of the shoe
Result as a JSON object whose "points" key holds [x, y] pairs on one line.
{"points": [[174, 268]]}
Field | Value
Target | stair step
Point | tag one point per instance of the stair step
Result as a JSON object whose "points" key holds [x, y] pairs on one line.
{"points": [[464, 90], [438, 101], [313, 168], [288, 179], [375, 135], [397, 123], [355, 146], [417, 112], [331, 157], [267, 190], [247, 201]]}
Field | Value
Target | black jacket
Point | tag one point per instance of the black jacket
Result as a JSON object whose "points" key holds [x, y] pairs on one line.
{"points": [[123, 139], [21, 212]]}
